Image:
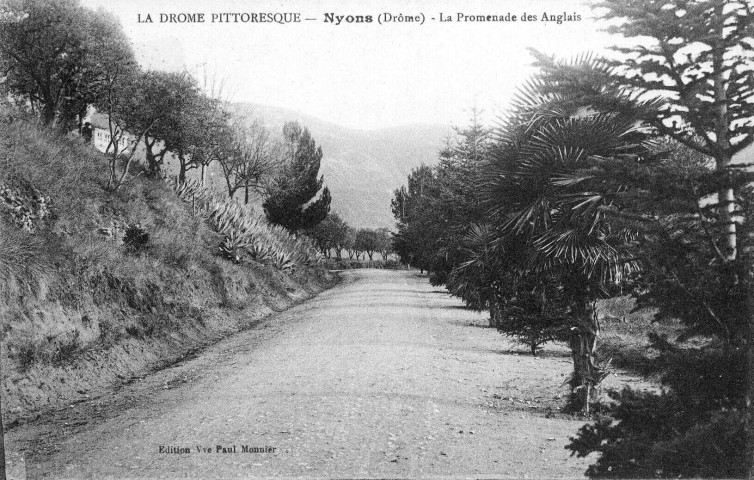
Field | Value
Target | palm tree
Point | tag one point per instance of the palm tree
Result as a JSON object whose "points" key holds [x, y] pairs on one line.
{"points": [[481, 277], [551, 184]]}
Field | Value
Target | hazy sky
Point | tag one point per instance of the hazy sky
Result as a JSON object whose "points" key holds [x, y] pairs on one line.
{"points": [[363, 75]]}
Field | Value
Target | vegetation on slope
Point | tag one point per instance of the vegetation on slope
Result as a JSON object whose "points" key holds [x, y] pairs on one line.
{"points": [[80, 306]]}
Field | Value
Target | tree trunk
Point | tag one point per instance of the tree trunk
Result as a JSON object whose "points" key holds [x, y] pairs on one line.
{"points": [[182, 168], [2, 437], [749, 281], [583, 343], [127, 165], [152, 166], [154, 160], [727, 201], [726, 198], [48, 114], [494, 315], [80, 120]]}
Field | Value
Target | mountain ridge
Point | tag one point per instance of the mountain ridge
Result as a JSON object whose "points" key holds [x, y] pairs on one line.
{"points": [[361, 167]]}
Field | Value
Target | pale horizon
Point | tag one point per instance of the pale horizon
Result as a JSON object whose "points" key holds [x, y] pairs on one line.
{"points": [[362, 76]]}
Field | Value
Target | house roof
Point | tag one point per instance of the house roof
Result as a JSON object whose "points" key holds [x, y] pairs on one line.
{"points": [[99, 120]]}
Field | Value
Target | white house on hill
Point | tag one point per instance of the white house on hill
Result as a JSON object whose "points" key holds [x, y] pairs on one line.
{"points": [[101, 134]]}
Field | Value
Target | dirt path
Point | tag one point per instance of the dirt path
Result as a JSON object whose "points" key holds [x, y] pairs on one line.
{"points": [[382, 376]]}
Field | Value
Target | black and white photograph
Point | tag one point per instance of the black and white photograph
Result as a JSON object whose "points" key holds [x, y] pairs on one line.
{"points": [[400, 239]]}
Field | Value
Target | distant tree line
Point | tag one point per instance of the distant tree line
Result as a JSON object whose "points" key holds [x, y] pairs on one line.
{"points": [[60, 59], [613, 177], [334, 235]]}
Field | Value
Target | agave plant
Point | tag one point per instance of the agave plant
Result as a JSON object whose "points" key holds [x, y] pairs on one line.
{"points": [[188, 190], [259, 252], [283, 261], [192, 192], [244, 229], [232, 245]]}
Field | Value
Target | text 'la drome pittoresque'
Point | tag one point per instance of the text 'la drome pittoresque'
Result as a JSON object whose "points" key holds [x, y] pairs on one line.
{"points": [[338, 19]]}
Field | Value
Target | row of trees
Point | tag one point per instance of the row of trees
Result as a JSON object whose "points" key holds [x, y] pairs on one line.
{"points": [[335, 235], [60, 59], [610, 177], [437, 205]]}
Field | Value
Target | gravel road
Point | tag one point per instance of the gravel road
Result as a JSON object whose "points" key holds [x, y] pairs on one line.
{"points": [[381, 376]]}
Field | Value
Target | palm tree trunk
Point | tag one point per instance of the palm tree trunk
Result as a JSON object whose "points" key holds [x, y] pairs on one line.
{"points": [[494, 315], [583, 343]]}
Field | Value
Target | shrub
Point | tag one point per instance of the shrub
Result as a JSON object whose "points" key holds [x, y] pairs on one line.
{"points": [[25, 354], [393, 265], [136, 238], [23, 259], [25, 205], [694, 429], [534, 330], [66, 346]]}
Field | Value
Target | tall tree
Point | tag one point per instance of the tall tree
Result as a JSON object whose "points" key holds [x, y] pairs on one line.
{"points": [[547, 185], [412, 208], [384, 242], [433, 218], [208, 136], [107, 69], [348, 242], [367, 240], [42, 46], [110, 75], [189, 126], [329, 234], [249, 156], [695, 57], [165, 105], [291, 199], [60, 56], [668, 434], [456, 206]]}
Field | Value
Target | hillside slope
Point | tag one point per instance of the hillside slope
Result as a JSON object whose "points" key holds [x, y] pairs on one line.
{"points": [[362, 167], [81, 309]]}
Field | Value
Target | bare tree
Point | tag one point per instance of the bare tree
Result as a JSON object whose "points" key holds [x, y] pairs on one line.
{"points": [[248, 158]]}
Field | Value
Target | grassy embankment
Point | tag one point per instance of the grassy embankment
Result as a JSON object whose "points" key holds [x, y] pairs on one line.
{"points": [[81, 311]]}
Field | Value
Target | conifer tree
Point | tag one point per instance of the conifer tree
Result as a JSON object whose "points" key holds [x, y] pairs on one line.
{"points": [[695, 57], [290, 201]]}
